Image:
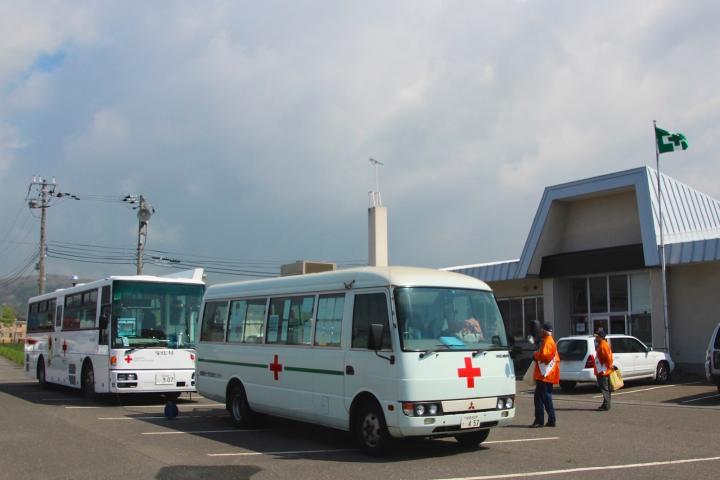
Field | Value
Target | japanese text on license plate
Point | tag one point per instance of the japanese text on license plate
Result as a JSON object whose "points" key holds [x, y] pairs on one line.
{"points": [[470, 421], [164, 379]]}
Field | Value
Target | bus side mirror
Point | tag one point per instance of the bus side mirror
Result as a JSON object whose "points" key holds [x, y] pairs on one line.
{"points": [[375, 336]]}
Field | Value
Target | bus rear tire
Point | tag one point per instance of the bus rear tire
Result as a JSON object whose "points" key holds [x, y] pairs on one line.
{"points": [[472, 439], [41, 372], [87, 384], [370, 430], [240, 411]]}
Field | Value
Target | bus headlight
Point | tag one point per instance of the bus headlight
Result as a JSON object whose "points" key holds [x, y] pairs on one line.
{"points": [[412, 409], [505, 403]]}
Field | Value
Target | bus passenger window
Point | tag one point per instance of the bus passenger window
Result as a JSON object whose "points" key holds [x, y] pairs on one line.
{"points": [[329, 320], [213, 326], [370, 308]]}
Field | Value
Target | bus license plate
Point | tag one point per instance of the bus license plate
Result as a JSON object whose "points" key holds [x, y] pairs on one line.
{"points": [[470, 421], [164, 379]]}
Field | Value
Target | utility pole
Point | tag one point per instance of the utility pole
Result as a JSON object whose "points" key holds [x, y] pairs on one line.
{"points": [[44, 191], [145, 211]]}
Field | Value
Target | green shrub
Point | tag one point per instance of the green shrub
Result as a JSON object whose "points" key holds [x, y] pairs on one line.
{"points": [[14, 352]]}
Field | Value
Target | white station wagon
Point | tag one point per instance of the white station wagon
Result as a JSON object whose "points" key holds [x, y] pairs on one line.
{"points": [[630, 355]]}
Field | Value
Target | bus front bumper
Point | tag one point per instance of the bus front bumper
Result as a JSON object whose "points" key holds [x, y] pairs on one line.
{"points": [[152, 381], [448, 425]]}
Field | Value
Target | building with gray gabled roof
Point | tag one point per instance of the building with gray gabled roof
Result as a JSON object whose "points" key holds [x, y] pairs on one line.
{"points": [[592, 259]]}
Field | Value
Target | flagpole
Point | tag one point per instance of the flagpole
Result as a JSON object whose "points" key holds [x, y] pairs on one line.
{"points": [[662, 241]]}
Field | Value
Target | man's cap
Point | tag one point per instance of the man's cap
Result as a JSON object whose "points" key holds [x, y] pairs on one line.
{"points": [[600, 333], [547, 327]]}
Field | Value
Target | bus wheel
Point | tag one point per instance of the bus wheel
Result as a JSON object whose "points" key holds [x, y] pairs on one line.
{"points": [[88, 382], [370, 430], [240, 411], [41, 372], [472, 439]]}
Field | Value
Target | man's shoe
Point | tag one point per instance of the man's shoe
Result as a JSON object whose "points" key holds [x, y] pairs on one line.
{"points": [[550, 424], [536, 425], [603, 408]]}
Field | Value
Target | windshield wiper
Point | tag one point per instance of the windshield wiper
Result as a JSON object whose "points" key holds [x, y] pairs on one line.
{"points": [[494, 348], [435, 349]]}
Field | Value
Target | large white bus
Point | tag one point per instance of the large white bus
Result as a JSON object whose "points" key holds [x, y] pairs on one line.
{"points": [[121, 334], [384, 352]]}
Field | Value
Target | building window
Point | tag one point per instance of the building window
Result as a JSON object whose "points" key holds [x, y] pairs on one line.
{"points": [[617, 303], [598, 295], [519, 313], [579, 295]]}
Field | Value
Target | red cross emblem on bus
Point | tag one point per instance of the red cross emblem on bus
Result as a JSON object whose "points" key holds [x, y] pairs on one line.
{"points": [[64, 347], [276, 367], [128, 359], [469, 372]]}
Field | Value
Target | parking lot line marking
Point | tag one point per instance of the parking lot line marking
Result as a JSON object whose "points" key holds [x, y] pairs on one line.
{"points": [[640, 390], [587, 469], [522, 440], [287, 452], [701, 398], [153, 417], [180, 406], [234, 430]]}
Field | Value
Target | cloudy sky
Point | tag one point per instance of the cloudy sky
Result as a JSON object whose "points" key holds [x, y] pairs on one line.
{"points": [[248, 125]]}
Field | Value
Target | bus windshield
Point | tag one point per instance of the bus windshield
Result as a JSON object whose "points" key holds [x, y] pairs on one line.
{"points": [[147, 314], [432, 319]]}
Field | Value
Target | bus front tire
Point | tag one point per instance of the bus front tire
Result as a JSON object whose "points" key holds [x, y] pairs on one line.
{"points": [[240, 411], [370, 430], [472, 439], [41, 372], [87, 384]]}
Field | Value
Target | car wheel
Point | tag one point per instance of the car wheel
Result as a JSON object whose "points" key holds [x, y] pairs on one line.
{"points": [[370, 429], [662, 373], [472, 439], [240, 411], [567, 385], [87, 384], [41, 372]]}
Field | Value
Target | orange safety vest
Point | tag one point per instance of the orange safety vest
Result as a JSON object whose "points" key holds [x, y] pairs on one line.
{"points": [[603, 355], [547, 355]]}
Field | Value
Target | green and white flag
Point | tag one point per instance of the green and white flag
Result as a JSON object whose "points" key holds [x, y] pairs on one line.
{"points": [[670, 141]]}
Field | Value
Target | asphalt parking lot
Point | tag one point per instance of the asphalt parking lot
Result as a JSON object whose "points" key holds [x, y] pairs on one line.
{"points": [[653, 431]]}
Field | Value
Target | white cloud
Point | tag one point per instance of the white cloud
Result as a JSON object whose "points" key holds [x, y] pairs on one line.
{"points": [[249, 125]]}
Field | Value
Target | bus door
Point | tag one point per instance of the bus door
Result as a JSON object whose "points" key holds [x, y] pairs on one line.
{"points": [[328, 360], [368, 369]]}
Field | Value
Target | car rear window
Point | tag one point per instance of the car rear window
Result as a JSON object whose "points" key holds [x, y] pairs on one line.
{"points": [[572, 350], [717, 339]]}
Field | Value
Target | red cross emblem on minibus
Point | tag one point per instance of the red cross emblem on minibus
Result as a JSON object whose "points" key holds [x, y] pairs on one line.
{"points": [[64, 347], [469, 372], [128, 359], [275, 367]]}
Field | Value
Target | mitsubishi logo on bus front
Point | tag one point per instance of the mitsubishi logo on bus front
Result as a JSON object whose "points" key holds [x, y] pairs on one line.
{"points": [[276, 367], [469, 372]]}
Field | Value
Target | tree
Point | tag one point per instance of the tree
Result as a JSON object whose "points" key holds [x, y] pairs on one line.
{"points": [[7, 316]]}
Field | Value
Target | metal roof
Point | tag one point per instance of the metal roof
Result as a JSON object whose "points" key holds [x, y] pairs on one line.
{"points": [[691, 222], [489, 272]]}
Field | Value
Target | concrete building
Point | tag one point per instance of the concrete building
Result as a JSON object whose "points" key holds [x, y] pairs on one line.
{"points": [[592, 259]]}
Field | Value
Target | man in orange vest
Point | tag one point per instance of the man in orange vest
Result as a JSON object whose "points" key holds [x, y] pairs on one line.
{"points": [[547, 374], [603, 367]]}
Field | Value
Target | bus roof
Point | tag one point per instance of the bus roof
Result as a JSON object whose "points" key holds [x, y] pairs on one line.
{"points": [[187, 277], [363, 277]]}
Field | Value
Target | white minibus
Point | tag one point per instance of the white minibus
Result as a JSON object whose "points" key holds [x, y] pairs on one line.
{"points": [[121, 334], [383, 352]]}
